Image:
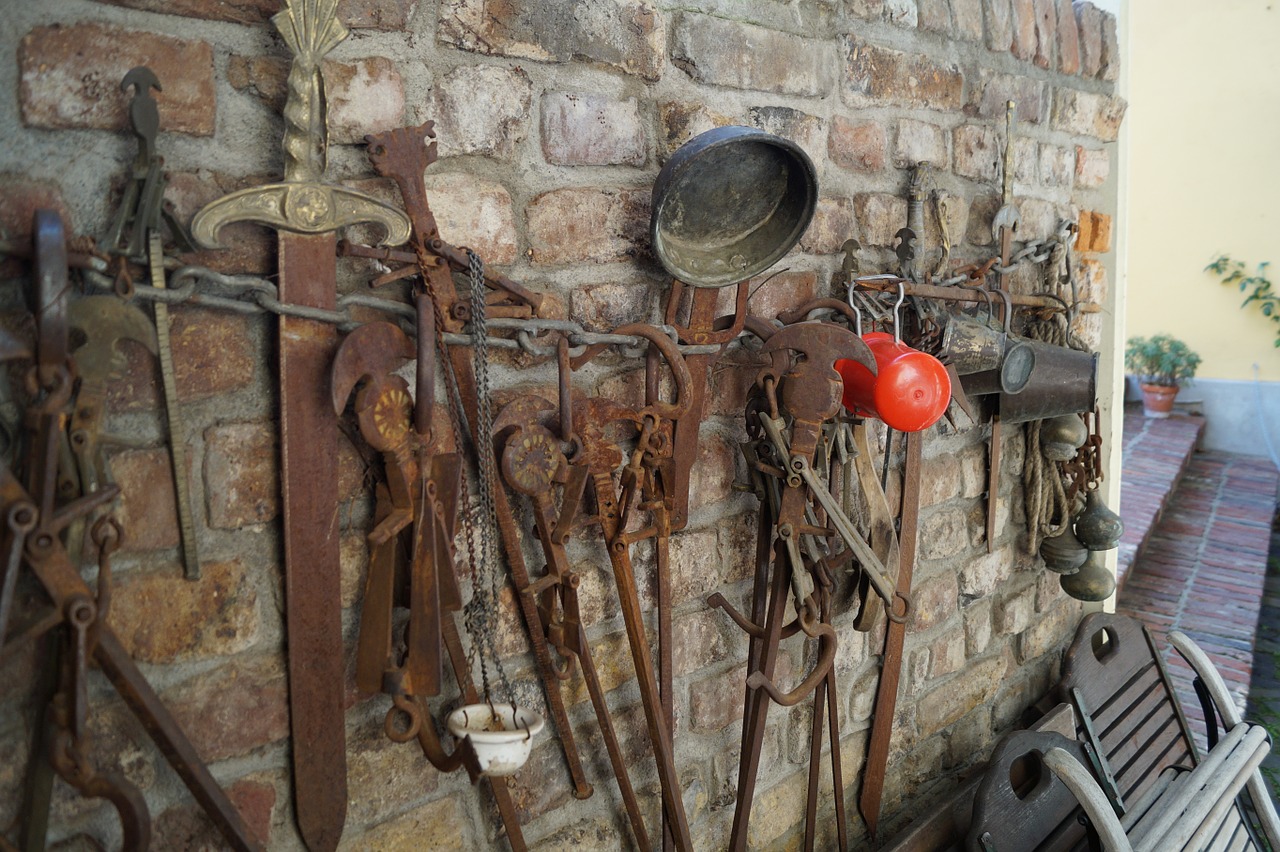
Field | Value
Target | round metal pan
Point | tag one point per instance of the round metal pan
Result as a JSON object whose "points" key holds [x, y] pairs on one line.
{"points": [[729, 204]]}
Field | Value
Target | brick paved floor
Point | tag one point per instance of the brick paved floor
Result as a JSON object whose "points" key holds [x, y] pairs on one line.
{"points": [[1203, 568], [1155, 455]]}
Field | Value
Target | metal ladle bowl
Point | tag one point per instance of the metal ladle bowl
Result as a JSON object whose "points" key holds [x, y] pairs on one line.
{"points": [[729, 204]]}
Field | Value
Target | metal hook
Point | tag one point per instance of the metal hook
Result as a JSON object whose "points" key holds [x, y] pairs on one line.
{"points": [[857, 312], [902, 297]]}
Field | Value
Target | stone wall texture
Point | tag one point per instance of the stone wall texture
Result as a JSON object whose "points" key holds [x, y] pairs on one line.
{"points": [[554, 118]]}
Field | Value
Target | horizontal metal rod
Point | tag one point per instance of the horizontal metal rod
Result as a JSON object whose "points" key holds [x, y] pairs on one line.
{"points": [[889, 284]]}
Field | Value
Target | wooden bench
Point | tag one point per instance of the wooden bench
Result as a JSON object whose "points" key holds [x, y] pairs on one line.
{"points": [[1135, 747], [1132, 769]]}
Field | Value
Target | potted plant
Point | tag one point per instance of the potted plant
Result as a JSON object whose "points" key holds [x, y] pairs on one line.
{"points": [[1161, 363]]}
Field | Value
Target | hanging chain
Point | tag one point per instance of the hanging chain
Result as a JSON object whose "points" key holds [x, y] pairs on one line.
{"points": [[484, 573]]}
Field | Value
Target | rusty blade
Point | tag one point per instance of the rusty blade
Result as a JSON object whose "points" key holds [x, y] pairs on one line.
{"points": [[313, 594], [891, 671]]}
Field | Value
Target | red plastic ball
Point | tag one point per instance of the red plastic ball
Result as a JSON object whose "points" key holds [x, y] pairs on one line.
{"points": [[910, 392]]}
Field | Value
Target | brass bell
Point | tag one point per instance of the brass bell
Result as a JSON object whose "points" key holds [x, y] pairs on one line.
{"points": [[1063, 553], [1093, 582], [1097, 527], [1061, 436]]}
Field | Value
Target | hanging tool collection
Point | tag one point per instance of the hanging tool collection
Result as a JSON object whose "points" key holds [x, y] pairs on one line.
{"points": [[540, 468]]}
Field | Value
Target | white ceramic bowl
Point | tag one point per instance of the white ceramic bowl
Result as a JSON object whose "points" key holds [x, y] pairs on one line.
{"points": [[499, 752]]}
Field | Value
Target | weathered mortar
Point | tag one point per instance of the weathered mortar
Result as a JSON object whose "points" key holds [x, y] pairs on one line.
{"points": [[554, 118]]}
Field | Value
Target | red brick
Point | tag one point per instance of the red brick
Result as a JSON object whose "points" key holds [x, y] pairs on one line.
{"points": [[1110, 59], [147, 510], [784, 291], [716, 702], [363, 96], [213, 354], [1089, 25], [592, 130], [998, 15], [1068, 39], [390, 15], [881, 215], [234, 709], [481, 109], [604, 307], [680, 121], [264, 77], [832, 224], [977, 152], [1046, 13], [713, 472], [628, 35], [995, 90], [857, 146], [475, 212], [967, 15], [70, 78], [934, 600], [1024, 29], [1092, 167], [919, 142], [697, 641], [805, 129], [877, 74], [160, 616], [719, 52], [588, 224], [934, 15], [240, 474]]}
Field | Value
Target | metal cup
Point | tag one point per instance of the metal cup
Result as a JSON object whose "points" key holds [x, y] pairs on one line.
{"points": [[1063, 381]]}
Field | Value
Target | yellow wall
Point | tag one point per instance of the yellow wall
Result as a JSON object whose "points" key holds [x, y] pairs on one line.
{"points": [[1204, 173]]}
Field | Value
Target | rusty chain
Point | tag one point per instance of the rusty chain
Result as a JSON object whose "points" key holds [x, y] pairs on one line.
{"points": [[250, 294]]}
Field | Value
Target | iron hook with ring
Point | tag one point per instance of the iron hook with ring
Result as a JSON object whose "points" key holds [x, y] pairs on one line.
{"points": [[402, 709]]}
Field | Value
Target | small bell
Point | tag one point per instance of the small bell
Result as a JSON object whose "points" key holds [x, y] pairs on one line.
{"points": [[1093, 582], [1063, 553], [1061, 436], [1097, 527]]}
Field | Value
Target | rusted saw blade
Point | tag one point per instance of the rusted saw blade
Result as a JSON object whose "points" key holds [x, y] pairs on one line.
{"points": [[312, 586], [308, 211]]}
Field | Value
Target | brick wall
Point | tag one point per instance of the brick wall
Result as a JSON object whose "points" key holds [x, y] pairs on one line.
{"points": [[554, 118]]}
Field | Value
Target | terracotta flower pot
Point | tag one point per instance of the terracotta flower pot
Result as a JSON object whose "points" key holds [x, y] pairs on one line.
{"points": [[1157, 400]]}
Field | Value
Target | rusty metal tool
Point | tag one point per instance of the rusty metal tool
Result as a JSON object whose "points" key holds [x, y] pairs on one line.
{"points": [[369, 357], [172, 406], [76, 605], [1004, 225], [403, 155], [891, 668], [419, 500], [1007, 218], [104, 321], [137, 234], [701, 328], [42, 511], [307, 211], [533, 464], [143, 208], [809, 391], [603, 457]]}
